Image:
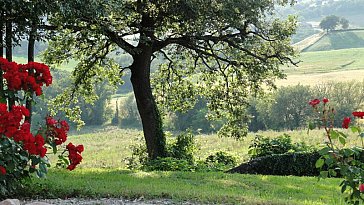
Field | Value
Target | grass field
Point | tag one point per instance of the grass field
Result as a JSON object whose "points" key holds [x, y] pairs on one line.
{"points": [[103, 174], [108, 147], [322, 66], [208, 188], [339, 40]]}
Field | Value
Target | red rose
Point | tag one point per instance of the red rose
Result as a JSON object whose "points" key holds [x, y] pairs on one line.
{"points": [[71, 167], [346, 122], [325, 100], [314, 102], [79, 148], [2, 170], [359, 114], [50, 121], [361, 187]]}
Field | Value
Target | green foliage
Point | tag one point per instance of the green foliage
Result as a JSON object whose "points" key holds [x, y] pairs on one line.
{"points": [[224, 51], [129, 113], [15, 159], [179, 153], [180, 157], [265, 146], [336, 158], [345, 97], [98, 112], [95, 111], [195, 119], [296, 164], [287, 108], [138, 158], [329, 22], [220, 161], [184, 147], [344, 23]]}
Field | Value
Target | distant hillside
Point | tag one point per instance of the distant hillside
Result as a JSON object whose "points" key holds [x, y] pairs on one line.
{"points": [[339, 40]]}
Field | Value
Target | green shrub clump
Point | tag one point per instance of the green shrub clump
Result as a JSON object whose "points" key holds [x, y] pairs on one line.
{"points": [[265, 146], [180, 157], [297, 164]]}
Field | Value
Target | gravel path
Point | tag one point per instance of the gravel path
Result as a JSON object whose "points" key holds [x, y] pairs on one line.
{"points": [[107, 201]]}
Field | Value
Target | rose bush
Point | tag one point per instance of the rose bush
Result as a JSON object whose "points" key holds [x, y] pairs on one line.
{"points": [[336, 158], [22, 152]]}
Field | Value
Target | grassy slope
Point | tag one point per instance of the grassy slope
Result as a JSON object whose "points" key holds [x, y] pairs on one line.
{"points": [[339, 40]]}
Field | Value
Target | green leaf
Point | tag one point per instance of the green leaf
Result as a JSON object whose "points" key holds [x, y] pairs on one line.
{"points": [[324, 174], [355, 129], [342, 140], [311, 125], [319, 163], [334, 134], [342, 134], [332, 172], [324, 150]]}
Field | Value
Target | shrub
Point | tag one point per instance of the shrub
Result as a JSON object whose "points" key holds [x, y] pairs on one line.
{"points": [[264, 146], [218, 162], [297, 164], [184, 147], [138, 158]]}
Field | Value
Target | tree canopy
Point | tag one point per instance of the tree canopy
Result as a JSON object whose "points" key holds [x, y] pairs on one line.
{"points": [[222, 50], [331, 22]]}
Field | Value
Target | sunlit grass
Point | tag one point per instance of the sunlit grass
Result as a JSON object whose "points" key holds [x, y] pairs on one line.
{"points": [[209, 188]]}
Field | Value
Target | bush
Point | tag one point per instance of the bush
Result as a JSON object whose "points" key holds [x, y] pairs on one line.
{"points": [[184, 147], [218, 162], [180, 157], [297, 164], [265, 146]]}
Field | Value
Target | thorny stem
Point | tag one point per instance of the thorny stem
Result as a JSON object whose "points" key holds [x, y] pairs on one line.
{"points": [[327, 130]]}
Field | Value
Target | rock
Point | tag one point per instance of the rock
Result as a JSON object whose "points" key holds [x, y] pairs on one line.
{"points": [[37, 203], [10, 202]]}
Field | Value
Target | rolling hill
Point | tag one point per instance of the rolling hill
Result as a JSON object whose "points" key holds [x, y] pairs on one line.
{"points": [[338, 40], [337, 56]]}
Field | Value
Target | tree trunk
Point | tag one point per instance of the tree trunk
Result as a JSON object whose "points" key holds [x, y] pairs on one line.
{"points": [[1, 35], [147, 107], [9, 57], [9, 41], [31, 44], [2, 94]]}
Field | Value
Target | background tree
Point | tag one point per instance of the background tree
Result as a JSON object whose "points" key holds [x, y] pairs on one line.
{"points": [[329, 23], [344, 23], [222, 50]]}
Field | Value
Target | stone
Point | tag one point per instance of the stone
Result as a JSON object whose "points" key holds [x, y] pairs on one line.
{"points": [[38, 203], [10, 202]]}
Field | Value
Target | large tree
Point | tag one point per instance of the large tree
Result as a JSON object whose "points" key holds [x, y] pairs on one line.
{"points": [[222, 50]]}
